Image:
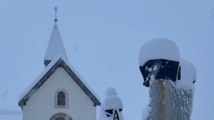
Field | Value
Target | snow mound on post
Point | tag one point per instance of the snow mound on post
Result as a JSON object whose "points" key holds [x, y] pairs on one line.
{"points": [[159, 48], [188, 75], [112, 100], [111, 92], [111, 106]]}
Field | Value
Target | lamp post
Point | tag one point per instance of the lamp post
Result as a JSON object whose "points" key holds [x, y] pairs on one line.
{"points": [[157, 73], [164, 74]]}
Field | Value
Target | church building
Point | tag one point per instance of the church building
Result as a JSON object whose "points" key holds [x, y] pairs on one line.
{"points": [[58, 93]]}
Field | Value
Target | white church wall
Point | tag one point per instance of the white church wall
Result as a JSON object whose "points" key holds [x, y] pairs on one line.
{"points": [[41, 105]]}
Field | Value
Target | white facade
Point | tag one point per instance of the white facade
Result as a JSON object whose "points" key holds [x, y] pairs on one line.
{"points": [[41, 105], [58, 93]]}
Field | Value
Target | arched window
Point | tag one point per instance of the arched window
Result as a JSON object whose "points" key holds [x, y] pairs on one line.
{"points": [[60, 116], [61, 98]]}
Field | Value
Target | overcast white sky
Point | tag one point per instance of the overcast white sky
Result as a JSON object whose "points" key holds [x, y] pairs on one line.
{"points": [[102, 39]]}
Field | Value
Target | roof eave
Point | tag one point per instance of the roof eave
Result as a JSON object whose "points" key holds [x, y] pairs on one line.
{"points": [[81, 84], [60, 63]]}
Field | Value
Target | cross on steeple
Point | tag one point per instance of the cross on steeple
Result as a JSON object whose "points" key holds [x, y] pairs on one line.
{"points": [[55, 9]]}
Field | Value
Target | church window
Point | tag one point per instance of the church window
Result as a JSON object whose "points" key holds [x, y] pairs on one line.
{"points": [[60, 116], [61, 98]]}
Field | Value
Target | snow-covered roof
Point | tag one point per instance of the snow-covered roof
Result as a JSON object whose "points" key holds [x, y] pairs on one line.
{"points": [[55, 45], [158, 48], [48, 71]]}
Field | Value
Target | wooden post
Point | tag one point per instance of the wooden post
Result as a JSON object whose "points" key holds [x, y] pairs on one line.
{"points": [[162, 100]]}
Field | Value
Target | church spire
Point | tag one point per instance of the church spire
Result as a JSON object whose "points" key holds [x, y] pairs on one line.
{"points": [[55, 46]]}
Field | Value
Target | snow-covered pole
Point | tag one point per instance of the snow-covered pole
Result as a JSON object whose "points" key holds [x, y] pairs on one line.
{"points": [[162, 72]]}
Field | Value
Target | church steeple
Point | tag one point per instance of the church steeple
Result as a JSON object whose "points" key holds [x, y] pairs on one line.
{"points": [[55, 46]]}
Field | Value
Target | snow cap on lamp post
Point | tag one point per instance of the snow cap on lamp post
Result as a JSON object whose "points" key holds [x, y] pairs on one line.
{"points": [[112, 106], [188, 75], [159, 59]]}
